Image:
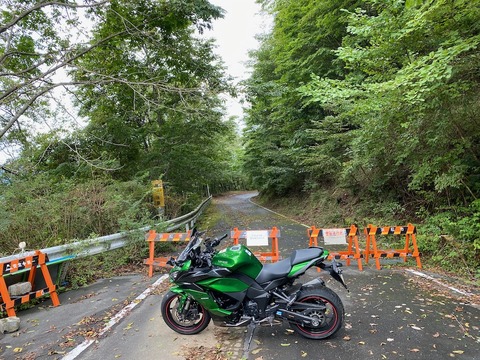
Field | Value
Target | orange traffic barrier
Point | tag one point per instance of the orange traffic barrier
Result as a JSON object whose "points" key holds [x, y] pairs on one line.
{"points": [[408, 231], [153, 237], [273, 234], [27, 263], [350, 236]]}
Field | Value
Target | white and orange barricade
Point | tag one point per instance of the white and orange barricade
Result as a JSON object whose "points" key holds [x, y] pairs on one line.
{"points": [[410, 249], [28, 263], [260, 238], [153, 237], [341, 236]]}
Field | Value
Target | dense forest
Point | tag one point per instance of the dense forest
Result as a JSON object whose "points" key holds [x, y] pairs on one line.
{"points": [[373, 104], [368, 105]]}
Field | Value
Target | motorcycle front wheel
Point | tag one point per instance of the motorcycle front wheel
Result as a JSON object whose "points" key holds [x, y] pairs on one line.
{"points": [[187, 318], [329, 321]]}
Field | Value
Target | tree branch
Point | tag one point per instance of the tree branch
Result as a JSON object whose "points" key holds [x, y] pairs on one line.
{"points": [[13, 89], [34, 98], [45, 4]]}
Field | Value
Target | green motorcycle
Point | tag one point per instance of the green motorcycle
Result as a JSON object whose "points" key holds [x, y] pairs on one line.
{"points": [[233, 288]]}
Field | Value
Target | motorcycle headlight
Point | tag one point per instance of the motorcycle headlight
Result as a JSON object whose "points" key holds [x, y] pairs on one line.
{"points": [[174, 275]]}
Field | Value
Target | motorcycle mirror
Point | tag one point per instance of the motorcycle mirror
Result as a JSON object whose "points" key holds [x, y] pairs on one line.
{"points": [[171, 261]]}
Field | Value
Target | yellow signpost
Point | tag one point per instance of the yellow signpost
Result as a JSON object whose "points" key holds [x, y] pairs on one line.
{"points": [[158, 196]]}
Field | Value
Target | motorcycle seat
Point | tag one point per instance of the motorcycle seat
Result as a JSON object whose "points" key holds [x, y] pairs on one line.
{"points": [[281, 268], [299, 256]]}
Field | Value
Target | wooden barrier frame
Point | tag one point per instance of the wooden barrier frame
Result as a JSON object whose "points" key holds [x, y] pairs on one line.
{"points": [[153, 237], [273, 234], [352, 241], [410, 237], [28, 263]]}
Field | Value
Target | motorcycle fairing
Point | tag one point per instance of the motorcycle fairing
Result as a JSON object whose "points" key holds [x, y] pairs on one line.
{"points": [[203, 298]]}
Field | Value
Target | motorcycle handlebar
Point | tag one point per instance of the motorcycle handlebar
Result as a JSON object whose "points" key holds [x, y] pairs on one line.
{"points": [[215, 242]]}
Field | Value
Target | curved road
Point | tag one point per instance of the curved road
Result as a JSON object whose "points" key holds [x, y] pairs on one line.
{"points": [[390, 314]]}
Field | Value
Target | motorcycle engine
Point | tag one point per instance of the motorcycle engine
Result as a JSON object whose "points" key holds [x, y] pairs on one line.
{"points": [[251, 309]]}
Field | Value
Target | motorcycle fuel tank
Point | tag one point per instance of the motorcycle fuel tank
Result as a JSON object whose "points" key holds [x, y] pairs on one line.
{"points": [[238, 258]]}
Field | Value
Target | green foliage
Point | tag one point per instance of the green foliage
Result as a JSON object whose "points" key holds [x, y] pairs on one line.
{"points": [[379, 98], [46, 213], [411, 93], [452, 240], [285, 146]]}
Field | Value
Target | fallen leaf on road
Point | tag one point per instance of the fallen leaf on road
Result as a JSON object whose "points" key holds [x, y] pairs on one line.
{"points": [[285, 344], [304, 354], [56, 352], [17, 350], [346, 338], [361, 343], [458, 351], [415, 350]]}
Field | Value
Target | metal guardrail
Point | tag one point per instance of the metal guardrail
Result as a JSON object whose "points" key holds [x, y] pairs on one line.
{"points": [[111, 242]]}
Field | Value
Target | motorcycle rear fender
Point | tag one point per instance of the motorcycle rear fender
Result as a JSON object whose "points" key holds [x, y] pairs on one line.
{"points": [[313, 283]]}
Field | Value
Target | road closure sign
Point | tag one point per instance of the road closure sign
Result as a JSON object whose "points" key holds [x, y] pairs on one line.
{"points": [[257, 237], [334, 236]]}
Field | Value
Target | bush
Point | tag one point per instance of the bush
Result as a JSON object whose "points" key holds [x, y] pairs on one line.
{"points": [[45, 213], [452, 240]]}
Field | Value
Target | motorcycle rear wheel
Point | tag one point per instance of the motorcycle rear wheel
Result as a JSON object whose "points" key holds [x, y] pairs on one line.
{"points": [[330, 320], [187, 322]]}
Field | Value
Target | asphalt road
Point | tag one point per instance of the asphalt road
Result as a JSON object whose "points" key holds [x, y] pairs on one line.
{"points": [[390, 314]]}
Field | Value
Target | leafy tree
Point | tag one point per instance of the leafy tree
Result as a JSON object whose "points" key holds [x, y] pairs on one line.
{"points": [[286, 145], [41, 41], [411, 90], [148, 87]]}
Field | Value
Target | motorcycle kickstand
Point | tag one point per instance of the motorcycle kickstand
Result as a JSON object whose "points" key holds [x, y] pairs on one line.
{"points": [[250, 331]]}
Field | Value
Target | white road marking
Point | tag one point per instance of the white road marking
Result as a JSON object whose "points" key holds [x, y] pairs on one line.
{"points": [[114, 320], [418, 273]]}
